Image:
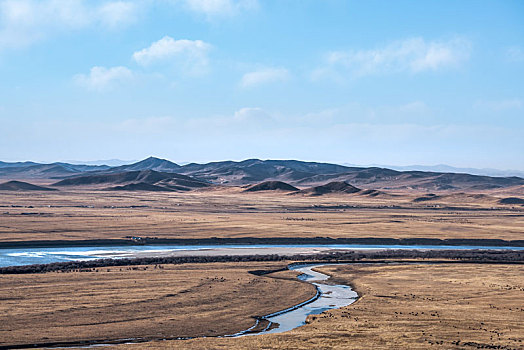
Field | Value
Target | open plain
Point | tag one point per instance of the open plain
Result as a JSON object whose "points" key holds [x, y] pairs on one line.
{"points": [[230, 213], [415, 306], [142, 302]]}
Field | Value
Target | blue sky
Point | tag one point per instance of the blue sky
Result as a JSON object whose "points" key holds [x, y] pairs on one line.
{"points": [[362, 82]]}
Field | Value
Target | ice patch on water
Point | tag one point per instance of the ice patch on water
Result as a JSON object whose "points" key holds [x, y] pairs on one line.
{"points": [[28, 254]]}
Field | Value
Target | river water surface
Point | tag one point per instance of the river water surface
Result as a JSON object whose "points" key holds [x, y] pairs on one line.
{"points": [[329, 297], [29, 256]]}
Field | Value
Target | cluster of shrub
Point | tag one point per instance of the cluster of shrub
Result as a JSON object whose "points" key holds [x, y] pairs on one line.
{"points": [[455, 256]]}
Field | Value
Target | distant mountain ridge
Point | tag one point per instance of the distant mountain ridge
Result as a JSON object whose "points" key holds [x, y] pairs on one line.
{"points": [[150, 163], [250, 172], [443, 168]]}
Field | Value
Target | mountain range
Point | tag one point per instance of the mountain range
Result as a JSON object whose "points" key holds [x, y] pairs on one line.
{"points": [[443, 168], [160, 174]]}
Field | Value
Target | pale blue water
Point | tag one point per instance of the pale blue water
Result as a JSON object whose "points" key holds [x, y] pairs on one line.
{"points": [[29, 256], [331, 297]]}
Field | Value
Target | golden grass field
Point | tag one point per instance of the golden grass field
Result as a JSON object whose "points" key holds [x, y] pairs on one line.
{"points": [[80, 215], [404, 307], [401, 306], [142, 302]]}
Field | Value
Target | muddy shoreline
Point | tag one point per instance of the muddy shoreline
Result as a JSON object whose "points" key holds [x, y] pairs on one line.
{"points": [[257, 241]]}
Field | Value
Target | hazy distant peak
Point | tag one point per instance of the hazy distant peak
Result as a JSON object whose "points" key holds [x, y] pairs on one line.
{"points": [[439, 168], [108, 162]]}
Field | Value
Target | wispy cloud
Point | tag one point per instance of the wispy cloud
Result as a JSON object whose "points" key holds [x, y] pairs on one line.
{"points": [[264, 76], [500, 105], [220, 8], [193, 54], [101, 78], [515, 54], [413, 55], [24, 22], [117, 13], [251, 114]]}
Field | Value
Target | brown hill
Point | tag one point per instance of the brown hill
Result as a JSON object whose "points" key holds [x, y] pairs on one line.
{"points": [[252, 171], [330, 188], [23, 186], [388, 179], [271, 186], [141, 186], [139, 180], [29, 170], [373, 193], [151, 163], [427, 197], [512, 200], [296, 173]]}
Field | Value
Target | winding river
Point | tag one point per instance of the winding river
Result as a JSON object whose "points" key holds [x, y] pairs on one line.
{"points": [[328, 297]]}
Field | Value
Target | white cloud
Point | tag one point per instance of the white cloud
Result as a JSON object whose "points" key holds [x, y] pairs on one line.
{"points": [[101, 78], [251, 114], [264, 76], [23, 22], [411, 112], [117, 13], [242, 119], [413, 55], [213, 8], [193, 54], [515, 54]]}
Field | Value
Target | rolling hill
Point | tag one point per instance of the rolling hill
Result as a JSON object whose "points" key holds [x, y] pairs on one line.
{"points": [[29, 170], [150, 163], [255, 171], [135, 180], [22, 186], [512, 200], [336, 187], [271, 186]]}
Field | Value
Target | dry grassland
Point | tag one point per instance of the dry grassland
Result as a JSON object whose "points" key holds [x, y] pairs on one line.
{"points": [[94, 214], [142, 302], [404, 307]]}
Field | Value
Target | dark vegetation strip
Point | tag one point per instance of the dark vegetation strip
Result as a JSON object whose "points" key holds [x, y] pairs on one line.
{"points": [[458, 256], [257, 241]]}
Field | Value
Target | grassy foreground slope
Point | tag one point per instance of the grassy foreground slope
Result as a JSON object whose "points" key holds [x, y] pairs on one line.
{"points": [[151, 302], [404, 307]]}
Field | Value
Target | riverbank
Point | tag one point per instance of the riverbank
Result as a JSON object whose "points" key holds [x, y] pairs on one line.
{"points": [[211, 299], [142, 302], [403, 307]]}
